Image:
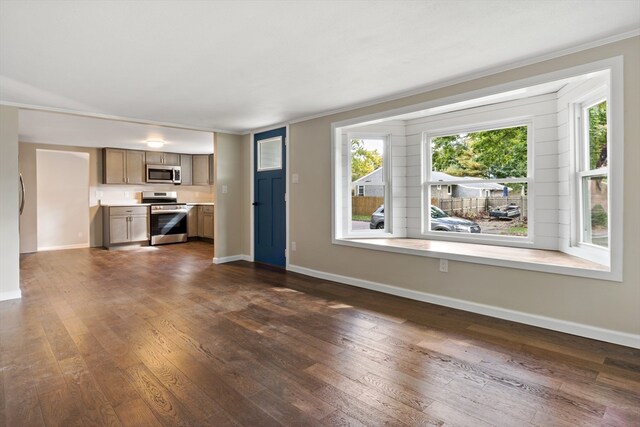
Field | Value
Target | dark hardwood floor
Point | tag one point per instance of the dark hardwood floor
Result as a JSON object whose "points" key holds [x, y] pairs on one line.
{"points": [[160, 336]]}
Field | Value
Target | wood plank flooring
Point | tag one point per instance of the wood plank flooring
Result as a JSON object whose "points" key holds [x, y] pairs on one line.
{"points": [[160, 336]]}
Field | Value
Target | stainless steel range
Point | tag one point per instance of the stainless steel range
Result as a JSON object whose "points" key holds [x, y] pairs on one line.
{"points": [[168, 217]]}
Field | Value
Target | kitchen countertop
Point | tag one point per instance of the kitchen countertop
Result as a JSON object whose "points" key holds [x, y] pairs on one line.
{"points": [[110, 205]]}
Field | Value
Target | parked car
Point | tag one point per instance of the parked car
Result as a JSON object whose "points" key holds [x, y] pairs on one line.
{"points": [[440, 221], [510, 211]]}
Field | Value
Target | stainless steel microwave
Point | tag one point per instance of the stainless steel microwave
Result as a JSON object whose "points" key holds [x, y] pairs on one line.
{"points": [[164, 174]]}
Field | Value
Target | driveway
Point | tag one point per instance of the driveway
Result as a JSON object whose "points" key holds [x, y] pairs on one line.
{"points": [[360, 225]]}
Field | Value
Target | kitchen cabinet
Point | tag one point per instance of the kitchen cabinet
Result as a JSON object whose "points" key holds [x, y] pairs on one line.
{"points": [[207, 230], [201, 167], [192, 221], [211, 175], [159, 158], [123, 166], [186, 169], [200, 221], [125, 224]]}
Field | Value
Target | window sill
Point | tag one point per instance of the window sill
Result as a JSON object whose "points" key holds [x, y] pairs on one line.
{"points": [[520, 258]]}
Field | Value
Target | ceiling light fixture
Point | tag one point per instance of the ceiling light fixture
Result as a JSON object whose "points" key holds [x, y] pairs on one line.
{"points": [[155, 144]]}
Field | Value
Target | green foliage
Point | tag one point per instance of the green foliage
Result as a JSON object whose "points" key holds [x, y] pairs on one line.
{"points": [[598, 135], [598, 216], [498, 153], [363, 161]]}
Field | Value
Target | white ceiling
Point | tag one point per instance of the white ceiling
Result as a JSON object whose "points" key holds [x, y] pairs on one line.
{"points": [[242, 65], [66, 129]]}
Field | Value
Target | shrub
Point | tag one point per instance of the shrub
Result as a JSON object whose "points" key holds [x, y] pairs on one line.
{"points": [[598, 216]]}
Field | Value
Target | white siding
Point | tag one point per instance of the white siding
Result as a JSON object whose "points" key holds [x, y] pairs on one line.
{"points": [[541, 110]]}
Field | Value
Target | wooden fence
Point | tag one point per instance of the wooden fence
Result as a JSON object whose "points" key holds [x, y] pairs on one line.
{"points": [[479, 205], [365, 205]]}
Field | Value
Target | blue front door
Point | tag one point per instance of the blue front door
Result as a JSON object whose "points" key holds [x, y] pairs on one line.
{"points": [[270, 233]]}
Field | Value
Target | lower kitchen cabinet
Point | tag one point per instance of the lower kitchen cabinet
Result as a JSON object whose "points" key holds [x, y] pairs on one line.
{"points": [[192, 221], [200, 221], [125, 224], [207, 230]]}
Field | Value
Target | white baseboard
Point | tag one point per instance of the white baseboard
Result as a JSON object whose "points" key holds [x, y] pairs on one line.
{"points": [[608, 335], [62, 247], [231, 259], [10, 295]]}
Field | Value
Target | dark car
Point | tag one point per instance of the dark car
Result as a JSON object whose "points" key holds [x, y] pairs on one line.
{"points": [[505, 212], [440, 221]]}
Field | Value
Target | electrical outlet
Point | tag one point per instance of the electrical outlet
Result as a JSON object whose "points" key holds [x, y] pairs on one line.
{"points": [[444, 265], [293, 246], [99, 194], [225, 189], [295, 178]]}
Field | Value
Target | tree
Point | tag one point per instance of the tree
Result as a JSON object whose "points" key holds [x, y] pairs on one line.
{"points": [[501, 152], [490, 154], [598, 135], [363, 161]]}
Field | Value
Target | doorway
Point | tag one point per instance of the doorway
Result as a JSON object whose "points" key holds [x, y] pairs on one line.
{"points": [[269, 172], [62, 179]]}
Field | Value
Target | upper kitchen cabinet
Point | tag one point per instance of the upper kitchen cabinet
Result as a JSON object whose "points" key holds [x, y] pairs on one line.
{"points": [[211, 169], [201, 169], [186, 169], [123, 166], [158, 158]]}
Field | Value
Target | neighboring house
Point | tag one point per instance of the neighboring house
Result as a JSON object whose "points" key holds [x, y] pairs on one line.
{"points": [[371, 184], [473, 189]]}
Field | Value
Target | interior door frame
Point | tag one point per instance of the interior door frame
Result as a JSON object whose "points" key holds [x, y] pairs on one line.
{"points": [[286, 189]]}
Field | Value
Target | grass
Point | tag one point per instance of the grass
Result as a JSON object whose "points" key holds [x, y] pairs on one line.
{"points": [[366, 218], [516, 231]]}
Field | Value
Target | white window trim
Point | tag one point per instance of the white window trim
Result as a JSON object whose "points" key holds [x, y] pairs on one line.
{"points": [[386, 178], [527, 241], [616, 175], [264, 141], [578, 171]]}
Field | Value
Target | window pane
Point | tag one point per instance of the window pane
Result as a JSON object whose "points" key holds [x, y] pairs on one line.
{"points": [[597, 135], [595, 210], [478, 207], [270, 154], [367, 184], [489, 154]]}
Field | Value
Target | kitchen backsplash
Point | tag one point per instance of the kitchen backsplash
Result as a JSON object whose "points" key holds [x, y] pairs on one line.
{"points": [[104, 194]]}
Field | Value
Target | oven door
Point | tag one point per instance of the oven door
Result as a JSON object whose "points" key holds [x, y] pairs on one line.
{"points": [[169, 226]]}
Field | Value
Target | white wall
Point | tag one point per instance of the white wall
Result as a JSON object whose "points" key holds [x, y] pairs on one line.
{"points": [[63, 199], [9, 238]]}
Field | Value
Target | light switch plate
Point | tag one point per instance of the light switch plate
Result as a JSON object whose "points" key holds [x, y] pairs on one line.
{"points": [[295, 178], [225, 189]]}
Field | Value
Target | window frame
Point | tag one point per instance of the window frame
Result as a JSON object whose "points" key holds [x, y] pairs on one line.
{"points": [[427, 167], [462, 99], [259, 154], [386, 179], [580, 170]]}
